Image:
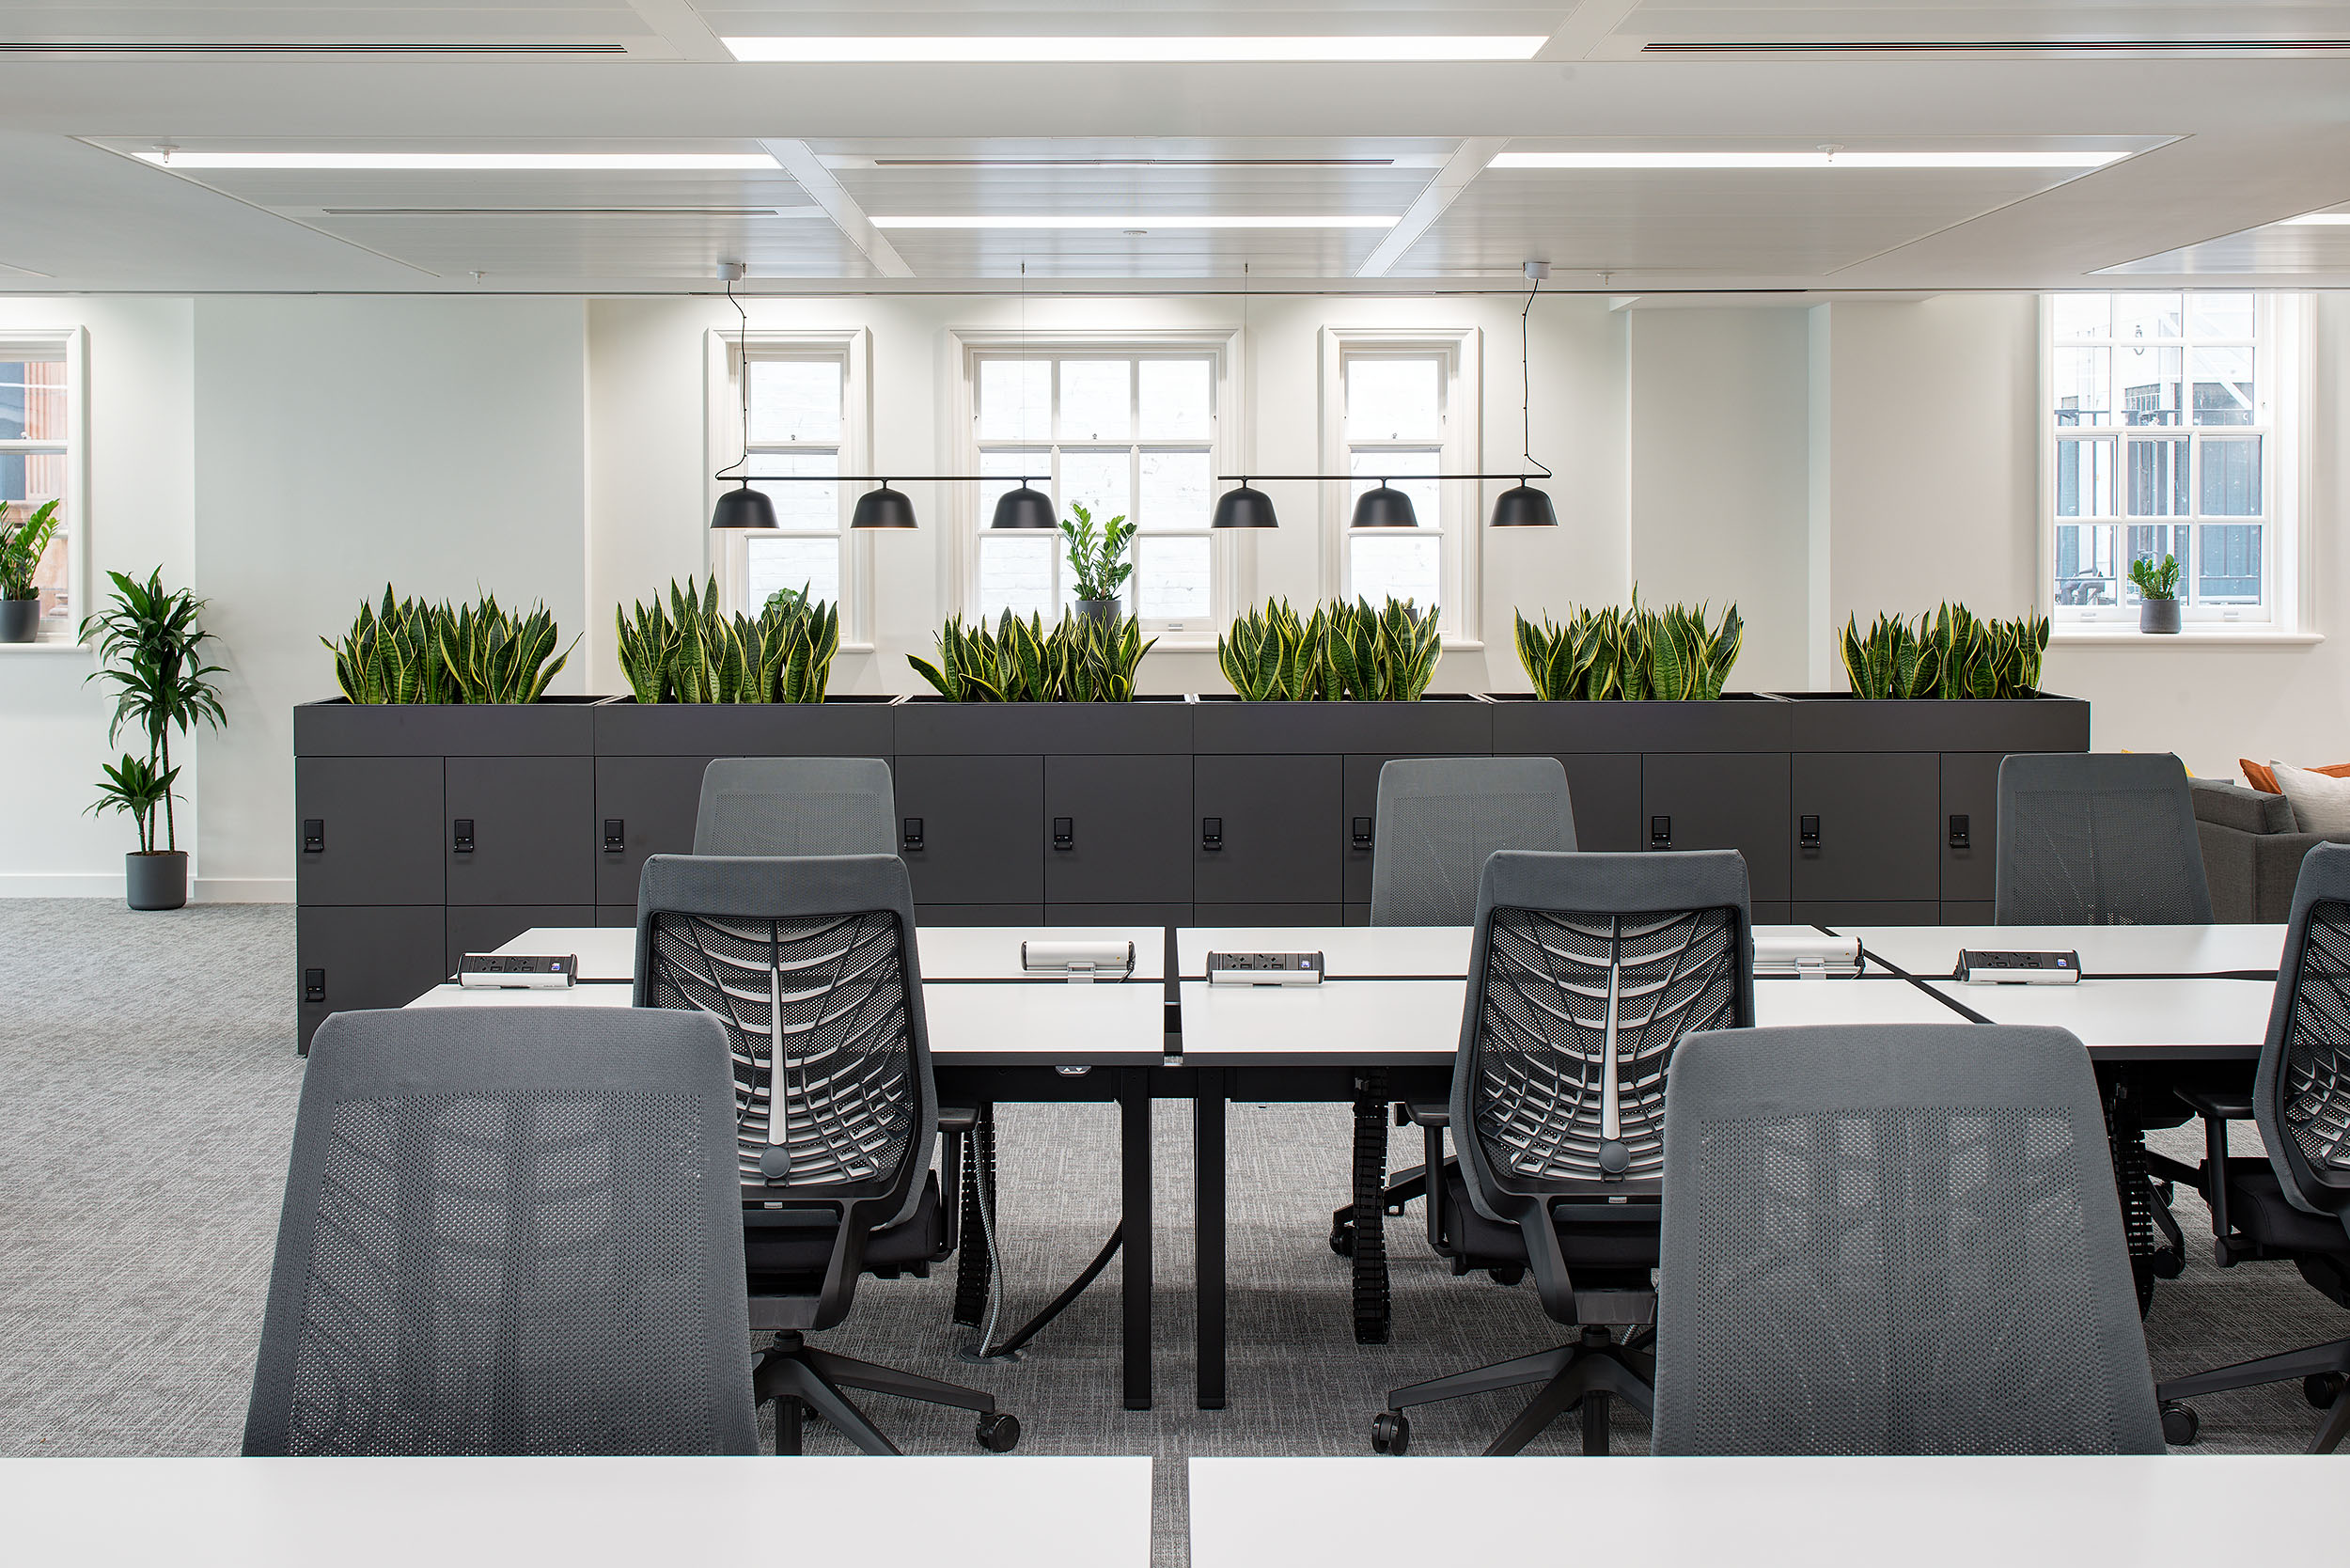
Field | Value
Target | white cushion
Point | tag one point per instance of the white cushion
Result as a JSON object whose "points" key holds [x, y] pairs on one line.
{"points": [[2321, 804]]}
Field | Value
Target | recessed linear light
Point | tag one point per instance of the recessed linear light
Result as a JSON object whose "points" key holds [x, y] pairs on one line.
{"points": [[2319, 217], [1157, 50], [571, 212], [1135, 221], [1133, 163], [179, 157], [2031, 159]]}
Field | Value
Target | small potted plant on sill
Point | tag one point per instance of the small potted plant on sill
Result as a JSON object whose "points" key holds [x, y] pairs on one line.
{"points": [[21, 545], [151, 647], [2158, 584], [1097, 558]]}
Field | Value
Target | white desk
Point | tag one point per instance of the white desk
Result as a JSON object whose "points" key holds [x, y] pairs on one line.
{"points": [[2135, 1020], [1966, 1513], [1006, 1513], [1931, 951], [945, 953]]}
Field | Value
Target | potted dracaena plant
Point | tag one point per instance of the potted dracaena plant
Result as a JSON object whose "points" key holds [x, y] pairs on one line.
{"points": [[21, 545], [1097, 558], [2158, 584], [152, 648]]}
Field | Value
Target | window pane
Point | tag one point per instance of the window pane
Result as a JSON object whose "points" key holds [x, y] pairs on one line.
{"points": [[2084, 386], [1393, 563], [1016, 575], [801, 505], [1175, 490], [26, 480], [2085, 572], [773, 562], [2084, 478], [795, 400], [2221, 315], [2081, 316], [1171, 580], [2150, 386], [1427, 495], [1177, 400], [2223, 386], [2228, 564], [32, 399], [2137, 317], [1097, 399], [1394, 399], [1102, 482], [1015, 400], [2232, 477], [2155, 479]]}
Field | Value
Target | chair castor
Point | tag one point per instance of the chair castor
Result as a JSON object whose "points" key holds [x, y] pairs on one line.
{"points": [[2179, 1423], [999, 1432], [1390, 1432]]}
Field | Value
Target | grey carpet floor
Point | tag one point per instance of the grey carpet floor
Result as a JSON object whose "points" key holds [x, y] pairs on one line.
{"points": [[146, 1094]]}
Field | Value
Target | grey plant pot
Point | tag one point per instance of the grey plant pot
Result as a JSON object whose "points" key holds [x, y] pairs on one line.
{"points": [[1108, 614], [19, 619], [156, 880], [2158, 615]]}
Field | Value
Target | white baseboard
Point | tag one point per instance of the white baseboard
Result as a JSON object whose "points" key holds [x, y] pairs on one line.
{"points": [[60, 885], [242, 889]]}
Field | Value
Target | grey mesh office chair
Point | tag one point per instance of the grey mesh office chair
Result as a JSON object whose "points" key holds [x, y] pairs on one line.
{"points": [[1439, 818], [1586, 973], [2098, 838], [811, 966], [2295, 1203], [1893, 1239], [796, 806], [509, 1230]]}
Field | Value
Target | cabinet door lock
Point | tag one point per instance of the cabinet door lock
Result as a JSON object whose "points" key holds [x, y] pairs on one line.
{"points": [[1212, 833], [910, 834], [1358, 832], [1960, 835], [460, 836], [1807, 832], [313, 835], [1064, 833], [1660, 833], [314, 985], [615, 835]]}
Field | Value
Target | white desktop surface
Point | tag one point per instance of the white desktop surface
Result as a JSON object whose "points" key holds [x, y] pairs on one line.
{"points": [[1931, 951], [2115, 1014], [945, 953], [982, 1511], [1842, 1513]]}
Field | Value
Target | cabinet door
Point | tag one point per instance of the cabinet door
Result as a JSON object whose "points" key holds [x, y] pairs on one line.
{"points": [[1128, 830], [1970, 789], [1279, 827], [1692, 800], [1874, 814], [532, 821], [483, 928], [982, 828], [1360, 809], [1604, 789], [652, 800], [362, 958], [1838, 914], [368, 830]]}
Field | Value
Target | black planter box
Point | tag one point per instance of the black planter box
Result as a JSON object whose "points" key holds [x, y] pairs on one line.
{"points": [[556, 727], [837, 727], [1439, 724], [1738, 721], [934, 727], [1838, 721]]}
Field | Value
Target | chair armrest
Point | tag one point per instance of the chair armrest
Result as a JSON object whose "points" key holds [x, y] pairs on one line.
{"points": [[2217, 1106], [1430, 1115], [958, 1118]]}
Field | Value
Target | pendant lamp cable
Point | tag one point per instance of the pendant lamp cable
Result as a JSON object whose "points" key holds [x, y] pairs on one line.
{"points": [[1525, 385], [741, 465]]}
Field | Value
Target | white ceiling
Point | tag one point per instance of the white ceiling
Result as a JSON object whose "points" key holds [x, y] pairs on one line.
{"points": [[2222, 141]]}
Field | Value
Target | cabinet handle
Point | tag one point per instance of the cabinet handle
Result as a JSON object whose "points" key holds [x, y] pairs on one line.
{"points": [[1064, 833], [1807, 832], [314, 985], [1212, 833], [313, 835], [1660, 833], [1360, 831], [460, 836], [615, 835], [1960, 835], [910, 834]]}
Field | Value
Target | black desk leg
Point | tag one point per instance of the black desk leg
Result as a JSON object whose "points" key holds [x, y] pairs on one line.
{"points": [[1207, 1163], [973, 1267], [2143, 1207], [1371, 1208], [1133, 1128]]}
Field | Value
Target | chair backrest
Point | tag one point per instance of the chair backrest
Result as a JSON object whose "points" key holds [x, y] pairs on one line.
{"points": [[509, 1230], [796, 806], [1584, 973], [2302, 1092], [2099, 838], [1440, 817], [809, 964], [1894, 1239]]}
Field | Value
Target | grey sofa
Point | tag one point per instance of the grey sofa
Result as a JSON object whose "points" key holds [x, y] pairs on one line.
{"points": [[2251, 853]]}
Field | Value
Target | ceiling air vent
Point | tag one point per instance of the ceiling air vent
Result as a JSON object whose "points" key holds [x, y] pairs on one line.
{"points": [[2004, 47]]}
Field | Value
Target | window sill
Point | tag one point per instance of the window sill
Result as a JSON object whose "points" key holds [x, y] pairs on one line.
{"points": [[50, 645], [2082, 636]]}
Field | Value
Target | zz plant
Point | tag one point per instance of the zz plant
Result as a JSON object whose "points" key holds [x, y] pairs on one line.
{"points": [[21, 546], [686, 651], [1948, 652], [1634, 655], [1340, 653], [1021, 661], [1097, 556]]}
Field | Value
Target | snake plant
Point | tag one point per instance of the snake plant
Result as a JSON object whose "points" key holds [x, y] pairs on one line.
{"points": [[392, 654], [1631, 654], [1948, 652], [686, 651], [1021, 661], [1340, 653], [408, 651]]}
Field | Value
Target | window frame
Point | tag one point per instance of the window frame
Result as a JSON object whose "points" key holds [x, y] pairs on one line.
{"points": [[1220, 346], [2282, 382], [1462, 502], [72, 346], [726, 552]]}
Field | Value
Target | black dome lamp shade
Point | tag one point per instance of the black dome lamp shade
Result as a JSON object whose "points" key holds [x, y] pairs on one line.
{"points": [[1024, 508], [1384, 507], [883, 508], [1244, 507], [742, 506], [1522, 506]]}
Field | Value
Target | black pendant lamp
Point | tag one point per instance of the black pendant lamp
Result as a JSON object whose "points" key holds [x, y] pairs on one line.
{"points": [[1244, 507], [743, 507], [1024, 508], [1384, 507], [1522, 506], [883, 508]]}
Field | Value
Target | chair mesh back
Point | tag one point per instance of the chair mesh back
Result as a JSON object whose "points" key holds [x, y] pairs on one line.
{"points": [[1895, 1240], [824, 1002], [796, 806], [2302, 1095], [1439, 818], [508, 1232], [1578, 1018], [2093, 839]]}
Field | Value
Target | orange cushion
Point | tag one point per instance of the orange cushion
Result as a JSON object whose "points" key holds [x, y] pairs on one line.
{"points": [[2258, 776]]}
